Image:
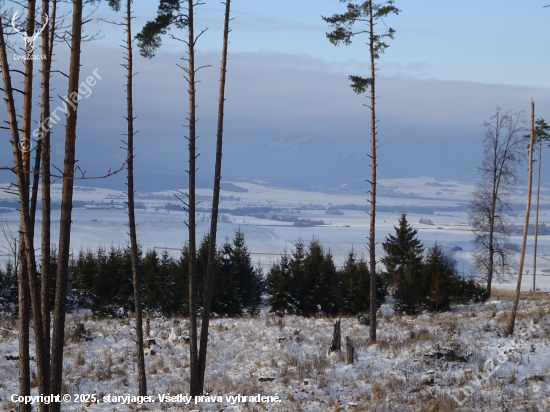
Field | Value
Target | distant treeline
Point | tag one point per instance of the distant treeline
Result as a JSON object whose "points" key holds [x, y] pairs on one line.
{"points": [[76, 204], [424, 210], [543, 229], [261, 211]]}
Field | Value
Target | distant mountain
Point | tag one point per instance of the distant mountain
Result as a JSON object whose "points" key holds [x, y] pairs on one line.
{"points": [[302, 161], [155, 182]]}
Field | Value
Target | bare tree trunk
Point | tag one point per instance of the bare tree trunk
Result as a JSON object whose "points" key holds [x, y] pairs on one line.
{"points": [[27, 98], [372, 241], [193, 350], [491, 239], [26, 215], [35, 179], [142, 379], [47, 47], [526, 227], [537, 221], [215, 203], [22, 273], [43, 145], [66, 208], [23, 188], [24, 315], [492, 213]]}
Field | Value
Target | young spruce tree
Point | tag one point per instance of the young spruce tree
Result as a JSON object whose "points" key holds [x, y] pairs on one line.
{"points": [[403, 261]]}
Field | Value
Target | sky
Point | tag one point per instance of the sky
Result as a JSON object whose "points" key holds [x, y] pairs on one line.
{"points": [[291, 118], [488, 41]]}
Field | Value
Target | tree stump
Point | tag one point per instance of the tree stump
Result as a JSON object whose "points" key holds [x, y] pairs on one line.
{"points": [[336, 344], [349, 353], [80, 332]]}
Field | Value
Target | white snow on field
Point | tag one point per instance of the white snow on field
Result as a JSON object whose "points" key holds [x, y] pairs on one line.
{"points": [[454, 361], [267, 239], [419, 362]]}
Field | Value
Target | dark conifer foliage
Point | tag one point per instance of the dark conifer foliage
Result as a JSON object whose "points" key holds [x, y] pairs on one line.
{"points": [[298, 290], [322, 278], [8, 289], [354, 277], [279, 286], [249, 280], [102, 280], [149, 39], [403, 252], [423, 282], [308, 283], [105, 277], [225, 295], [438, 279]]}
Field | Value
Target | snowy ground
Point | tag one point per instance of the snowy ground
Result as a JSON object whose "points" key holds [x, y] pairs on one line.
{"points": [[454, 361]]}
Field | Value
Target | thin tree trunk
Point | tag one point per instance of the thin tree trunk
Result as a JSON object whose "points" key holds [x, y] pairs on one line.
{"points": [[66, 207], [491, 246], [22, 274], [23, 189], [26, 214], [35, 180], [47, 47], [142, 379], [215, 203], [526, 227], [537, 222], [372, 241], [492, 213], [193, 350], [24, 317], [27, 98]]}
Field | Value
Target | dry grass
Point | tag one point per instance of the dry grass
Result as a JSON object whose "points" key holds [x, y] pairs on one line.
{"points": [[509, 295], [4, 334], [384, 379], [80, 359], [505, 294]]}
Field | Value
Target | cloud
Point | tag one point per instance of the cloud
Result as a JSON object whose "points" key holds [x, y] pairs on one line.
{"points": [[290, 119], [254, 22]]}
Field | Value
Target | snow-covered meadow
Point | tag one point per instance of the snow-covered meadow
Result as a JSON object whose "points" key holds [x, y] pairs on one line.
{"points": [[455, 361], [267, 239]]}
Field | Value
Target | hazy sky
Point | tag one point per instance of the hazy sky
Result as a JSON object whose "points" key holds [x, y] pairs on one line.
{"points": [[291, 118], [490, 41]]}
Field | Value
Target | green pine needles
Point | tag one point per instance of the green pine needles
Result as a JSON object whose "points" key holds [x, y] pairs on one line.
{"points": [[345, 30], [168, 14]]}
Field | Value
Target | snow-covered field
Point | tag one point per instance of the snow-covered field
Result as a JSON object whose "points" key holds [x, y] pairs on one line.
{"points": [[267, 239], [460, 360], [454, 361]]}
